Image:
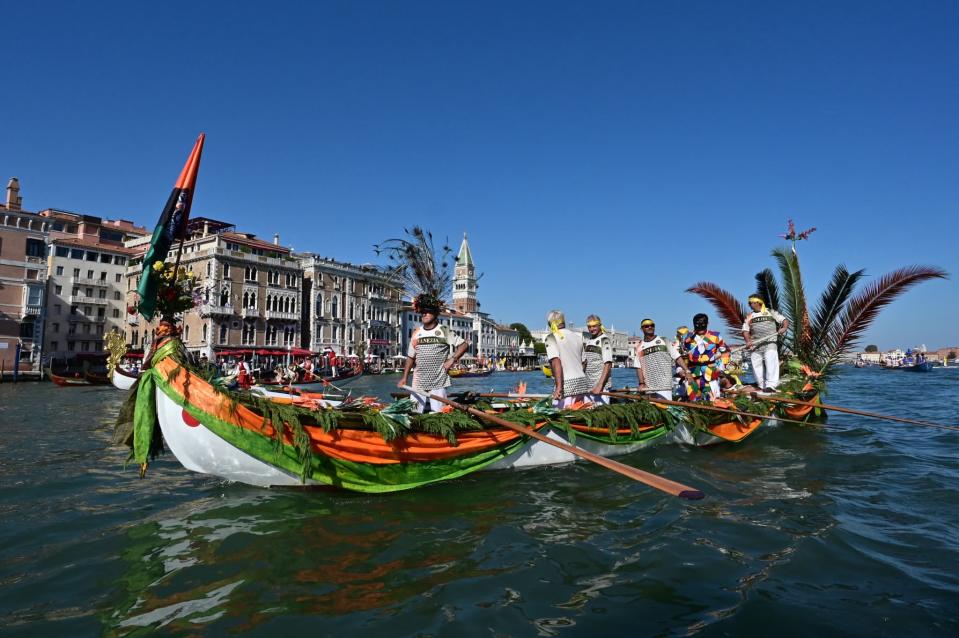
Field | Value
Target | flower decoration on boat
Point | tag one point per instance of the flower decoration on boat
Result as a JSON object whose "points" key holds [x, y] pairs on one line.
{"points": [[176, 289], [794, 236]]}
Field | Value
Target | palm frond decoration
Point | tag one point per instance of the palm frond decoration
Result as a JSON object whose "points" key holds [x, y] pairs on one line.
{"points": [[794, 303], [841, 317], [768, 289], [831, 305], [863, 309], [727, 305], [416, 261]]}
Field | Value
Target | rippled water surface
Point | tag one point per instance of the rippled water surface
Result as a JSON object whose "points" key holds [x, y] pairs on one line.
{"points": [[848, 529]]}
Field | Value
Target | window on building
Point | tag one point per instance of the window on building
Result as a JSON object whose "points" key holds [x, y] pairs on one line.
{"points": [[103, 275], [89, 274], [56, 309], [116, 295], [223, 330], [110, 235], [205, 330], [333, 308], [134, 338], [106, 259], [319, 305], [89, 292], [120, 261], [61, 251], [119, 277], [74, 310], [76, 253], [54, 345], [103, 293], [76, 272], [116, 313], [335, 332], [58, 289], [101, 312], [84, 346], [226, 271], [209, 269], [88, 310], [71, 345], [186, 333], [92, 256], [54, 327]]}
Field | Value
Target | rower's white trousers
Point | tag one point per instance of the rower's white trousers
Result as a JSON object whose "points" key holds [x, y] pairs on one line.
{"points": [[765, 364], [435, 406]]}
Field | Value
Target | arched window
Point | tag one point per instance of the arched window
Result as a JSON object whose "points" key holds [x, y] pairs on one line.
{"points": [[333, 308]]}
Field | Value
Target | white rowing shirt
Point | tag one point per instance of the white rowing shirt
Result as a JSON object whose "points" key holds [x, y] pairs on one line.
{"points": [[569, 350], [762, 326], [431, 348], [657, 359], [597, 351]]}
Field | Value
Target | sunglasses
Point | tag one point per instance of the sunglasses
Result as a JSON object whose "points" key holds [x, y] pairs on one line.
{"points": [[649, 325]]}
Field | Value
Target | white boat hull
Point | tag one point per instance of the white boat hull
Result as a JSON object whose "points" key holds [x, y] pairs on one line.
{"points": [[122, 381], [199, 449]]}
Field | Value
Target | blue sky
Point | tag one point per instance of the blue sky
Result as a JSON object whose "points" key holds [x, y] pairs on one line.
{"points": [[602, 156]]}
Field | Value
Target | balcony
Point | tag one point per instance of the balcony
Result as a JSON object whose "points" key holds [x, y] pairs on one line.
{"points": [[249, 313], [83, 317], [86, 281], [207, 310], [277, 314], [81, 299], [32, 310]]}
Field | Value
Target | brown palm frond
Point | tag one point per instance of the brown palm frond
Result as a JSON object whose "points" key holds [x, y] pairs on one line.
{"points": [[727, 305], [863, 309]]}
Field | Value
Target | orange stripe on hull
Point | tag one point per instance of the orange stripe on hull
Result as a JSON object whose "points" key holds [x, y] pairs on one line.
{"points": [[361, 446], [734, 431]]}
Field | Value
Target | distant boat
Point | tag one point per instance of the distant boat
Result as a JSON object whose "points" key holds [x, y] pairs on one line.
{"points": [[922, 366]]}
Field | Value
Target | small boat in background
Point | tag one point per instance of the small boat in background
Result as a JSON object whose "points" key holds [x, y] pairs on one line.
{"points": [[465, 374]]}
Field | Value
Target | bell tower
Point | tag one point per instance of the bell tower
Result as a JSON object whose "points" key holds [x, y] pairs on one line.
{"points": [[464, 280]]}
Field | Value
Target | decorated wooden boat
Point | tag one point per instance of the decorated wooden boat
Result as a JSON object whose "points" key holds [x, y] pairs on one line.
{"points": [[283, 439]]}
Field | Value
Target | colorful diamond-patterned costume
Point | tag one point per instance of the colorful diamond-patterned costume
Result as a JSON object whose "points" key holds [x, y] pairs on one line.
{"points": [[707, 356]]}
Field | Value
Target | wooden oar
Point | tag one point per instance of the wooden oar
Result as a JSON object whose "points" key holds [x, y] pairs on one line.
{"points": [[652, 480], [700, 406], [837, 408]]}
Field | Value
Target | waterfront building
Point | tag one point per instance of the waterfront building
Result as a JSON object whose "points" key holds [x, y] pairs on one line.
{"points": [[23, 273], [86, 284], [250, 289], [351, 309]]}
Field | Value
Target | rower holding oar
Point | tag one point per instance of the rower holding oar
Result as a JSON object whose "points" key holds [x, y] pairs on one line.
{"points": [[655, 360], [761, 332], [564, 350], [597, 359], [434, 349]]}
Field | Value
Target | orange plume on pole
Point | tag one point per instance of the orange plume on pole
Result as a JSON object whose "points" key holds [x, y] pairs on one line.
{"points": [[188, 175]]}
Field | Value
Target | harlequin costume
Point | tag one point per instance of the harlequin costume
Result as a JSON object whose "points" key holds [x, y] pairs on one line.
{"points": [[707, 357]]}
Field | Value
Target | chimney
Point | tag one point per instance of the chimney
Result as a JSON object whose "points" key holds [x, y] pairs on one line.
{"points": [[276, 239], [13, 194], [206, 228]]}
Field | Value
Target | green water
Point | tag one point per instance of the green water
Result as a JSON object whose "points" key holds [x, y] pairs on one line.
{"points": [[845, 530]]}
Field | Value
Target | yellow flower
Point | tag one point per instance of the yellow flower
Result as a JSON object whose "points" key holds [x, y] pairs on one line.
{"points": [[158, 266]]}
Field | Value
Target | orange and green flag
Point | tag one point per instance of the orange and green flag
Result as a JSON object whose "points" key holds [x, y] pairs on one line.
{"points": [[172, 226]]}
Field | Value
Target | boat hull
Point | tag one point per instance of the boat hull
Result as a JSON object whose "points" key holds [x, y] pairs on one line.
{"points": [[123, 380]]}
